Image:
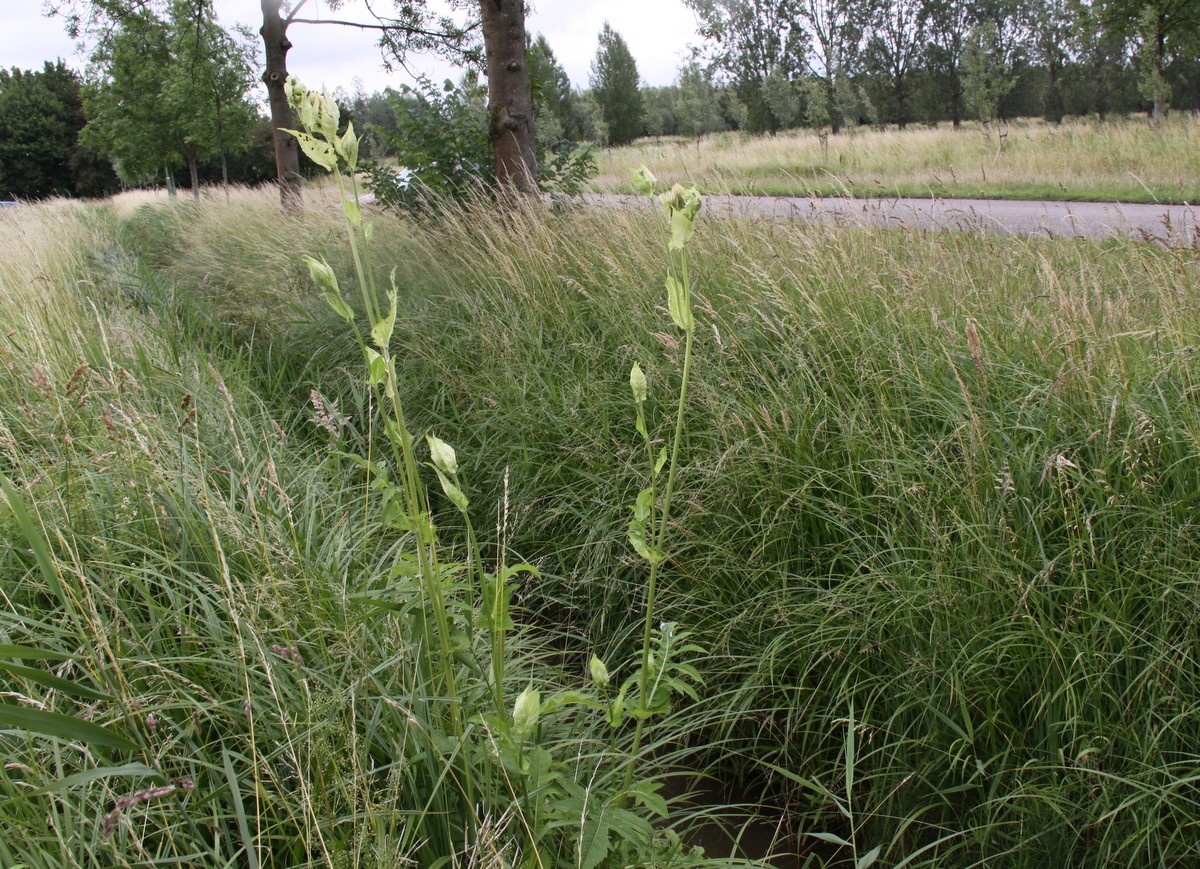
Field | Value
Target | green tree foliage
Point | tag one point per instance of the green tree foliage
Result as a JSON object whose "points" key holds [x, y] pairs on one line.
{"points": [[747, 39], [1161, 30], [697, 107], [893, 52], [782, 97], [836, 29], [170, 92], [987, 80], [615, 85], [440, 137], [41, 114], [557, 110]]}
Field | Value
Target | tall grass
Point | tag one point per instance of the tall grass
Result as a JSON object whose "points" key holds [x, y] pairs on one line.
{"points": [[1117, 160], [934, 523]]}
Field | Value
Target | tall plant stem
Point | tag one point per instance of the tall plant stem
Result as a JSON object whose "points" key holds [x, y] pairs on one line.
{"points": [[659, 535]]}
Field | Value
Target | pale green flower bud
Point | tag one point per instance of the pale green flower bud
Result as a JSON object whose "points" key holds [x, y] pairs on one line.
{"points": [[599, 673], [322, 274], [308, 111], [442, 455], [327, 118], [295, 91], [526, 712], [347, 146], [637, 382], [643, 182]]}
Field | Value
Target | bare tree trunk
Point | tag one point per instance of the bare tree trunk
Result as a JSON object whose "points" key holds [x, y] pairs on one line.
{"points": [[194, 174], [287, 154], [510, 102]]}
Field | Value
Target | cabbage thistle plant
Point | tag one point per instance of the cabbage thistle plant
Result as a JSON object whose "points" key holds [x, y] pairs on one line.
{"points": [[514, 747]]}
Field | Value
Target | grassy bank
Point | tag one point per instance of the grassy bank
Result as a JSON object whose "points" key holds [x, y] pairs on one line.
{"points": [[935, 528], [1119, 160]]}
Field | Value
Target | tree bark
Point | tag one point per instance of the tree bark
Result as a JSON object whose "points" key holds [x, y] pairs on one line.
{"points": [[510, 102], [287, 153], [194, 174]]}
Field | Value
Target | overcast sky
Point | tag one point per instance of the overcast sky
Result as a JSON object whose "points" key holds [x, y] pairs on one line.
{"points": [[658, 33]]}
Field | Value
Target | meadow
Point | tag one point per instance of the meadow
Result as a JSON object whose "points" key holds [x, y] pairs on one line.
{"points": [[934, 544], [1116, 160]]}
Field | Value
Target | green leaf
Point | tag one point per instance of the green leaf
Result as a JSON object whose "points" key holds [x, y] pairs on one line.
{"points": [[497, 596], [594, 841], [563, 699], [455, 494], [353, 212], [646, 793], [679, 304], [54, 724], [382, 331], [56, 683], [90, 775], [37, 542], [339, 306], [638, 525], [660, 461], [831, 839], [376, 367], [319, 152], [867, 860], [30, 653]]}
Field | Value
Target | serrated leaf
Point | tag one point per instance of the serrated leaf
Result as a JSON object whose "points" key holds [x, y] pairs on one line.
{"points": [[646, 793], [54, 724], [319, 152], [682, 225], [594, 840]]}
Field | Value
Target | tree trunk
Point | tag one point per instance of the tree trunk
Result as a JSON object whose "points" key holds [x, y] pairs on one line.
{"points": [[835, 120], [287, 154], [194, 174], [510, 102]]}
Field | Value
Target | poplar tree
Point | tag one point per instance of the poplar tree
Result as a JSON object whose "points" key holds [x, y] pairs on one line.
{"points": [[615, 86]]}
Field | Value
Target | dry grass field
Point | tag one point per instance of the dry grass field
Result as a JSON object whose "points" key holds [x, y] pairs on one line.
{"points": [[1124, 160]]}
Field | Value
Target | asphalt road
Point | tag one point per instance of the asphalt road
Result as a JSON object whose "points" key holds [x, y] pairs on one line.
{"points": [[1171, 224]]}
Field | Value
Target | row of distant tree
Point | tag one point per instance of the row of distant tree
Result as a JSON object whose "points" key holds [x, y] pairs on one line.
{"points": [[170, 92], [837, 62]]}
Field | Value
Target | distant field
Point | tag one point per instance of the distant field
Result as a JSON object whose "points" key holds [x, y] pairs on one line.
{"points": [[1123, 160]]}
